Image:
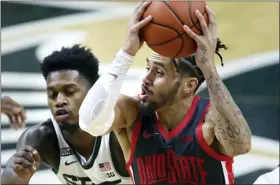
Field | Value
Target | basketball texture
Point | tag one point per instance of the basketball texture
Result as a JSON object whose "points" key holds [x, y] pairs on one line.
{"points": [[165, 34]]}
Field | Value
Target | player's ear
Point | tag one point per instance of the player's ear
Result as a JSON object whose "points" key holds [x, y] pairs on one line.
{"points": [[190, 85]]}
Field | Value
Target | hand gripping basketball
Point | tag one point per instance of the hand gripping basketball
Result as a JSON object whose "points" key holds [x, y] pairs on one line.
{"points": [[206, 43], [26, 161], [133, 42]]}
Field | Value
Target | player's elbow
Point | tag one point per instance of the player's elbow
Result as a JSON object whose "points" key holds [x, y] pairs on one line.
{"points": [[241, 149], [86, 126], [86, 123], [96, 127], [245, 148], [246, 142]]}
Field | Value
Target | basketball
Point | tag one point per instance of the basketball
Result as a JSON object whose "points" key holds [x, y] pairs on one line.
{"points": [[165, 34]]}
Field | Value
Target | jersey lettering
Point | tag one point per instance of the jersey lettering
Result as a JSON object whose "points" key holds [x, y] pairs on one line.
{"points": [[109, 175], [66, 151], [169, 167], [74, 180]]}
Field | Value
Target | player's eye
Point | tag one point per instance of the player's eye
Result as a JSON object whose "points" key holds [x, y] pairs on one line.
{"points": [[148, 69], [52, 94], [159, 73], [70, 91]]}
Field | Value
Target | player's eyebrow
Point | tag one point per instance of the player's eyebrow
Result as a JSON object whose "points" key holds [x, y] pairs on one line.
{"points": [[68, 85], [157, 63]]}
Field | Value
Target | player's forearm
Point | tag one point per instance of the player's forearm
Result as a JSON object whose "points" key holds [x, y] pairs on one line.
{"points": [[233, 131], [96, 113]]}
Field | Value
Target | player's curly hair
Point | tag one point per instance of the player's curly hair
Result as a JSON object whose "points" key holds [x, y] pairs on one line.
{"points": [[77, 57], [187, 65]]}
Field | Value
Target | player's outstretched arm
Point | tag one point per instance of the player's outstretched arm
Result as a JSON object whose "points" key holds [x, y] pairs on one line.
{"points": [[103, 109], [230, 127]]}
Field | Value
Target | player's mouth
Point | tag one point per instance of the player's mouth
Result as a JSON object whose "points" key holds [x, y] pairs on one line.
{"points": [[61, 115], [144, 93]]}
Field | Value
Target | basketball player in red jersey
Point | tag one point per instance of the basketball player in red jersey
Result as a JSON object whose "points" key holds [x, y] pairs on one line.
{"points": [[169, 135]]}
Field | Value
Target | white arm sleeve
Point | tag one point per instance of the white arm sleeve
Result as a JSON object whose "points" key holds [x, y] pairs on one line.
{"points": [[96, 114], [269, 178]]}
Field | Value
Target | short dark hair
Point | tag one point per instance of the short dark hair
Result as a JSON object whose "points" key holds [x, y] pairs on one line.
{"points": [[187, 65], [77, 57]]}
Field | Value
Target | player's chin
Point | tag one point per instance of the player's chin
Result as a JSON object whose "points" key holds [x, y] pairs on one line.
{"points": [[146, 97], [64, 118], [69, 125]]}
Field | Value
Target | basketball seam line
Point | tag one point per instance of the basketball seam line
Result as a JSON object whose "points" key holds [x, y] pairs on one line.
{"points": [[165, 26], [170, 8], [179, 34], [182, 46], [165, 42], [194, 23]]}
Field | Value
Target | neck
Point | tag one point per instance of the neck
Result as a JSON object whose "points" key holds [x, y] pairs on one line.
{"points": [[81, 141], [171, 115]]}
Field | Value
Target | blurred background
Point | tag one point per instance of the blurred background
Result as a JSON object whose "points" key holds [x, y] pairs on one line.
{"points": [[31, 30]]}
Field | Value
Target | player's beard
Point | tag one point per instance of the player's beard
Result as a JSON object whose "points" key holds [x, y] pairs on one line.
{"points": [[149, 107]]}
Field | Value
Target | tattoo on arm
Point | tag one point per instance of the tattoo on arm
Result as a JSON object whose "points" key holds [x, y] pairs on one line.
{"points": [[231, 128]]}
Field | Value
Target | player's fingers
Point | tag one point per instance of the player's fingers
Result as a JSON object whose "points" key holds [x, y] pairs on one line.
{"points": [[138, 5], [6, 108], [36, 155], [24, 162], [202, 22], [36, 165], [21, 121], [142, 23], [22, 118], [212, 21], [26, 155], [193, 35], [141, 10], [16, 121], [28, 148], [10, 117], [18, 167]]}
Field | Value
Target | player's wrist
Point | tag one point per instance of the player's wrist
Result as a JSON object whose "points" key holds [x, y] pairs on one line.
{"points": [[127, 50], [125, 54], [121, 63]]}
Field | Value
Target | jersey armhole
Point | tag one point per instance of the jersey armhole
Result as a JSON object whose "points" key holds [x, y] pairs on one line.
{"points": [[202, 142], [226, 161], [135, 134]]}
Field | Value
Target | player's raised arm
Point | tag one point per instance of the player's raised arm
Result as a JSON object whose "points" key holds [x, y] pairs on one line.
{"points": [[230, 127], [102, 110]]}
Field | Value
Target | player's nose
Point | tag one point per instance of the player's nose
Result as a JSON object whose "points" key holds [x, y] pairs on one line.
{"points": [[147, 80], [61, 101]]}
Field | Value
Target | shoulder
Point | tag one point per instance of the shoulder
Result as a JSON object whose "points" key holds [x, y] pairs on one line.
{"points": [[129, 108], [128, 100], [42, 137], [38, 133]]}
